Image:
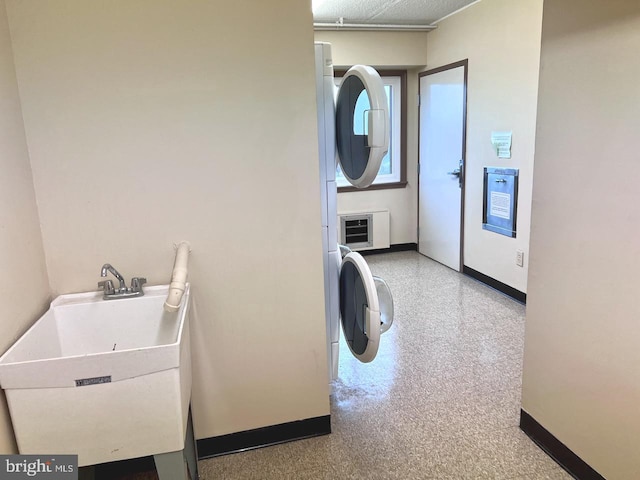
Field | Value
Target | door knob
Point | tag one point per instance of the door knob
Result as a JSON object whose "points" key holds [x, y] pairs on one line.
{"points": [[455, 173]]}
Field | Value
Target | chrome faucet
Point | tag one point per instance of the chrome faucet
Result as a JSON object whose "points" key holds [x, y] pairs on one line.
{"points": [[122, 291], [108, 268]]}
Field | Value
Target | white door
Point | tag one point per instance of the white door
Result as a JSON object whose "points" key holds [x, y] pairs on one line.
{"points": [[442, 150]]}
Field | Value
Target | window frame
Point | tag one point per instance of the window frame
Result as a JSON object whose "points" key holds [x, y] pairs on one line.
{"points": [[402, 183]]}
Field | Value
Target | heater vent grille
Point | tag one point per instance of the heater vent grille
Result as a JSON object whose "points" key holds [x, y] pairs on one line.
{"points": [[357, 230], [368, 230]]}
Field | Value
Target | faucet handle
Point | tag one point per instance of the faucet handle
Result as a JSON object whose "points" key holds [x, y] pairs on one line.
{"points": [[106, 285], [137, 282]]}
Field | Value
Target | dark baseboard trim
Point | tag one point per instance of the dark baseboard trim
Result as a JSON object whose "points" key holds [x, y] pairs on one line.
{"points": [[263, 437], [398, 247], [493, 283], [121, 468], [216, 446], [557, 450]]}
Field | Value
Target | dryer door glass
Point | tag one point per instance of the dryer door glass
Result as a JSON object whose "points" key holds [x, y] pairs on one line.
{"points": [[362, 125], [359, 307]]}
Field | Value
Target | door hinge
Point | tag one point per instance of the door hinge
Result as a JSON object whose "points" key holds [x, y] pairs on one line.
{"points": [[418, 169], [418, 99], [418, 233]]}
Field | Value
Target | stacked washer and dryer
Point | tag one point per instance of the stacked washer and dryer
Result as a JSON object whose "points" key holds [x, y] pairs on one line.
{"points": [[354, 298]]}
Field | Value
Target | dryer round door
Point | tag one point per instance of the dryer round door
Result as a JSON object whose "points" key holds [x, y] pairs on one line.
{"points": [[359, 307], [362, 125]]}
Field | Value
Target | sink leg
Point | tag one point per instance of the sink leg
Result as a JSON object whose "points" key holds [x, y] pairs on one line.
{"points": [[171, 466], [191, 450]]}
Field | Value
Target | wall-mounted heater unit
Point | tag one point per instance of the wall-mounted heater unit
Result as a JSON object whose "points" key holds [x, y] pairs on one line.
{"points": [[364, 231]]}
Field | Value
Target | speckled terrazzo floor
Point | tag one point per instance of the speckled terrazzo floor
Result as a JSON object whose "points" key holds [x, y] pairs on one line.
{"points": [[441, 400]]}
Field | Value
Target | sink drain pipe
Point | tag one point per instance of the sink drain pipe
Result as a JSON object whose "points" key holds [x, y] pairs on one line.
{"points": [[178, 277]]}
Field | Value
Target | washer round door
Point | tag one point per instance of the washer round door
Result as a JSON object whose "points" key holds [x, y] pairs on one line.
{"points": [[359, 307], [362, 125]]}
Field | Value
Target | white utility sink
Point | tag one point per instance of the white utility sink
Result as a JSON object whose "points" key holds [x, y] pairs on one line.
{"points": [[104, 379]]}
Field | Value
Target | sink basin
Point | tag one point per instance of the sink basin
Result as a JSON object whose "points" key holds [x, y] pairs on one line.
{"points": [[106, 380]]}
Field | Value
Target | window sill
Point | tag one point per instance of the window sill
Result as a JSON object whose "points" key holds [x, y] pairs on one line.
{"points": [[378, 186]]}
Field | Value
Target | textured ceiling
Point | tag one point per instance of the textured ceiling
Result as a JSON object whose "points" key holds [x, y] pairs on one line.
{"points": [[405, 12]]}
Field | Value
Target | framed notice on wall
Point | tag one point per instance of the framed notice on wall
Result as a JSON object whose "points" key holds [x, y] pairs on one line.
{"points": [[500, 200]]}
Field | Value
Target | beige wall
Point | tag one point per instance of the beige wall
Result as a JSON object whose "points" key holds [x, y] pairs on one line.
{"points": [[501, 39], [24, 277], [382, 49], [582, 361], [387, 50], [150, 122]]}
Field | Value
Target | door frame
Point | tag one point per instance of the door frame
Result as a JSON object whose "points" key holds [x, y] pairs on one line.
{"points": [[463, 175]]}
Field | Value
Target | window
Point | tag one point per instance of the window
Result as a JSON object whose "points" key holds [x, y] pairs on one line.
{"points": [[392, 169]]}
